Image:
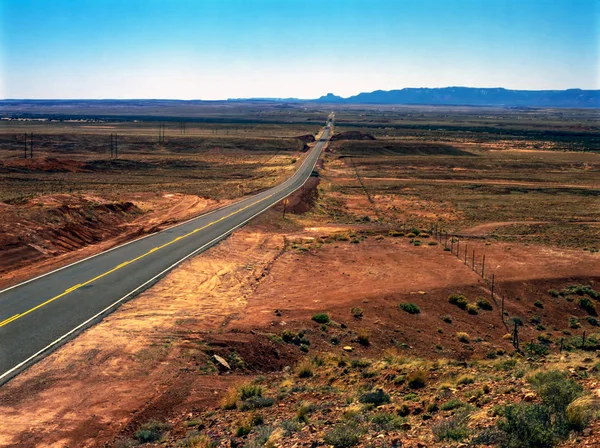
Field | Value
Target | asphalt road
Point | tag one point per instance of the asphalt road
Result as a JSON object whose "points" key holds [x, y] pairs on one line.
{"points": [[38, 316]]}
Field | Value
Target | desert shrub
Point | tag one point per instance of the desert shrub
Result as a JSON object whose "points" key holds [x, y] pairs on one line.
{"points": [[450, 405], [581, 290], [343, 436], [288, 336], [533, 349], [555, 389], [527, 426], [535, 319], [387, 421], [357, 312], [465, 379], [472, 308], [151, 431], [196, 440], [459, 300], [417, 379], [410, 308], [304, 369], [538, 304], [262, 435], [411, 235], [230, 399], [249, 390], [545, 424], [321, 318], [250, 421], [489, 437], [453, 428], [360, 363], [362, 336], [447, 318], [395, 233], [403, 410], [553, 292], [574, 322], [290, 427], [432, 243], [593, 321], [588, 306], [463, 337], [256, 403], [581, 412], [376, 398], [484, 304], [304, 410]]}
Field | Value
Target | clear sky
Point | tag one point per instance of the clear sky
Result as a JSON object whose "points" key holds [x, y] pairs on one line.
{"points": [[217, 49]]}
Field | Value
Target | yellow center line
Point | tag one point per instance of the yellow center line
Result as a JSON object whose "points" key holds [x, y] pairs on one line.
{"points": [[10, 319], [122, 265]]}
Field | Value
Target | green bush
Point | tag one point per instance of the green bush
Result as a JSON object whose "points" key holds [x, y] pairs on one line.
{"points": [[593, 321], [588, 306], [459, 300], [321, 318], [250, 390], [527, 426], [484, 304], [410, 308], [450, 405], [574, 322], [555, 389], [376, 398], [343, 436], [151, 431], [387, 421], [256, 403], [453, 428]]}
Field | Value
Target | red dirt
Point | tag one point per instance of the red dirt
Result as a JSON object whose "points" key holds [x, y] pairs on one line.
{"points": [[55, 230]]}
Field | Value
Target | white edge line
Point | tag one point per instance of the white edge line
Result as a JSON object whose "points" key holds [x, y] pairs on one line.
{"points": [[7, 374], [151, 234]]}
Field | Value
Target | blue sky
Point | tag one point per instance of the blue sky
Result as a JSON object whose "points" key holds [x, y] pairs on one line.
{"points": [[216, 49]]}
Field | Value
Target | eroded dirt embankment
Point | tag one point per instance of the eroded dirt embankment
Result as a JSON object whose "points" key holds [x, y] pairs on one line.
{"points": [[53, 230]]}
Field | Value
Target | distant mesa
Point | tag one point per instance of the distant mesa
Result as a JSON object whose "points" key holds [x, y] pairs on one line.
{"points": [[473, 96], [352, 135]]}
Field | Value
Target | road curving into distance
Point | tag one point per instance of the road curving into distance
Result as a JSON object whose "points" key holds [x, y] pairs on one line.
{"points": [[39, 315]]}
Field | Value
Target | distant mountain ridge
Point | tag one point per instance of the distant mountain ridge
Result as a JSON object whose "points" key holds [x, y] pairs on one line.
{"points": [[473, 96]]}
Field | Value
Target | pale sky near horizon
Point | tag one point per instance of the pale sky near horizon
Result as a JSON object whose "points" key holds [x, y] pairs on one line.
{"points": [[218, 49]]}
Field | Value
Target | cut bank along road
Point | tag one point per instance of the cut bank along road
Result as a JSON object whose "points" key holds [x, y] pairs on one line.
{"points": [[39, 315]]}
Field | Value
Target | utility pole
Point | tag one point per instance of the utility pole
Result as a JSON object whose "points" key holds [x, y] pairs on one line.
{"points": [[25, 142], [31, 145]]}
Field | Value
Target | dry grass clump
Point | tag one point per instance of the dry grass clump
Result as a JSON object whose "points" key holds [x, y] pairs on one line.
{"points": [[463, 337]]}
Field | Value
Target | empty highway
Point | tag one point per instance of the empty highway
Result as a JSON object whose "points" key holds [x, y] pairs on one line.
{"points": [[39, 315]]}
